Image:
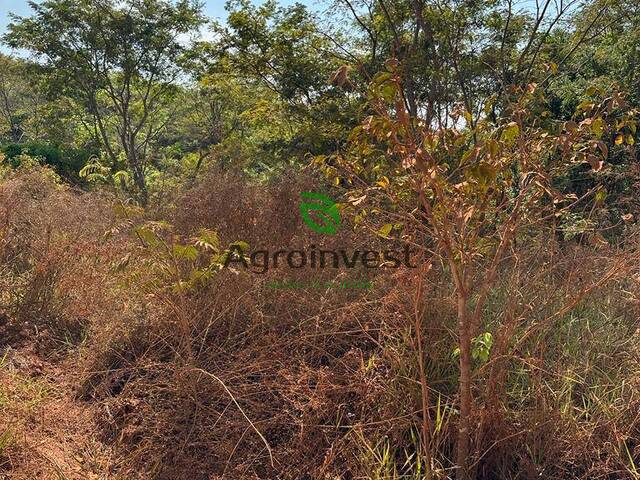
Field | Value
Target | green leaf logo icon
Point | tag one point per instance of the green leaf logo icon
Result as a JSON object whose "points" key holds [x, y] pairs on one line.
{"points": [[324, 210]]}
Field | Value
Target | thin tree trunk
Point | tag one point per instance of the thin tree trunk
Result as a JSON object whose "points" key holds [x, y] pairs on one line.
{"points": [[136, 168], [424, 385], [139, 181], [464, 424], [201, 155]]}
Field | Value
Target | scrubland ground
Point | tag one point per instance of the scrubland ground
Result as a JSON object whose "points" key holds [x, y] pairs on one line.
{"points": [[108, 371]]}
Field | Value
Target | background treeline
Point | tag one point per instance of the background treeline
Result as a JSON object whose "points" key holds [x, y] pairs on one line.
{"points": [[122, 88]]}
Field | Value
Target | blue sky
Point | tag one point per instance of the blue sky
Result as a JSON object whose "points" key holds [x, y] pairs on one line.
{"points": [[213, 9]]}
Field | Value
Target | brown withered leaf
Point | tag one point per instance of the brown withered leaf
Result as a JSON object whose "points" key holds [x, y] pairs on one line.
{"points": [[408, 161], [341, 76], [603, 148], [595, 162], [571, 126]]}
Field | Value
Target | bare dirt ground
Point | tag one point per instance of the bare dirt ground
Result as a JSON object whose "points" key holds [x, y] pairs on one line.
{"points": [[45, 431]]}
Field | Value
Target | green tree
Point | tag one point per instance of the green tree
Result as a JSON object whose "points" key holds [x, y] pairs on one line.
{"points": [[118, 60], [284, 50], [21, 101], [455, 55]]}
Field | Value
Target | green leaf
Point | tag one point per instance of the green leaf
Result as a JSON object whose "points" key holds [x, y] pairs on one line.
{"points": [[597, 127], [585, 106], [185, 252], [482, 347], [121, 176], [385, 230], [488, 104], [601, 195], [244, 246], [148, 236], [510, 132], [208, 239]]}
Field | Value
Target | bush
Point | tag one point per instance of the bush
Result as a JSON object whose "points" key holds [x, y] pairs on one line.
{"points": [[49, 237], [67, 161]]}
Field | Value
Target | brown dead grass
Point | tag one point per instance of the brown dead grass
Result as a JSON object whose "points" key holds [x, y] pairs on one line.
{"points": [[288, 384]]}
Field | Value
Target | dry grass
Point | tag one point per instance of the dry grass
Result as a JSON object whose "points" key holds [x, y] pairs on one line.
{"points": [[312, 384]]}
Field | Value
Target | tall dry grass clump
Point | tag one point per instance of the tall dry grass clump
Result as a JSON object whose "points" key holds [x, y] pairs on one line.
{"points": [[268, 371], [55, 287], [52, 259]]}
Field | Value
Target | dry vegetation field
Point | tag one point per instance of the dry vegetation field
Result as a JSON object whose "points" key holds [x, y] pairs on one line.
{"points": [[327, 240], [99, 380]]}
